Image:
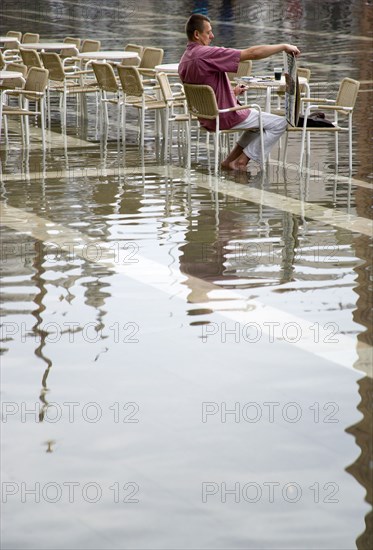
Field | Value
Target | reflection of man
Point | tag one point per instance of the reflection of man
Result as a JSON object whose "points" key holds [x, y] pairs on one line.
{"points": [[202, 65]]}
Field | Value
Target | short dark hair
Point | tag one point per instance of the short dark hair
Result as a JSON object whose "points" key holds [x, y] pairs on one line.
{"points": [[195, 23]]}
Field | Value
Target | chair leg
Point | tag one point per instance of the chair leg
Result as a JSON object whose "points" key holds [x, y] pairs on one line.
{"points": [[350, 143], [189, 144], [217, 138], [285, 148], [336, 151], [27, 125], [42, 119]]}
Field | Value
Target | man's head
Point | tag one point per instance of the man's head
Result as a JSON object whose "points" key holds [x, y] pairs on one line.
{"points": [[198, 29]]}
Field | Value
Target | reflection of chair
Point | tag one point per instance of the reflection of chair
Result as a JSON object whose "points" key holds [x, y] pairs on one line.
{"points": [[30, 38], [150, 58], [62, 82], [30, 58], [135, 96], [202, 103], [343, 105], [35, 86], [108, 84], [172, 101]]}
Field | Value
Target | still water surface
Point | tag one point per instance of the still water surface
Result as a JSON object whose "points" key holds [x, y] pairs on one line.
{"points": [[186, 359]]}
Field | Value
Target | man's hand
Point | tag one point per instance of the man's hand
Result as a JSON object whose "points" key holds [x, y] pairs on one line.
{"points": [[239, 89], [288, 48]]}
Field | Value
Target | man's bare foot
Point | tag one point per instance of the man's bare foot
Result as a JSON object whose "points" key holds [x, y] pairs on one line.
{"points": [[240, 166], [240, 163]]}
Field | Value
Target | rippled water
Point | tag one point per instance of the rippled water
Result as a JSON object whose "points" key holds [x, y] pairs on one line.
{"points": [[137, 411]]}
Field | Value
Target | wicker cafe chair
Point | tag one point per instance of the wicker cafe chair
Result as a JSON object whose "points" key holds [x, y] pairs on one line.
{"points": [[10, 49], [108, 84], [173, 101], [343, 105], [64, 83], [15, 82], [90, 46], [30, 58], [244, 69], [30, 38], [201, 101], [150, 58], [135, 96], [10, 45], [133, 48], [34, 90], [301, 72]]}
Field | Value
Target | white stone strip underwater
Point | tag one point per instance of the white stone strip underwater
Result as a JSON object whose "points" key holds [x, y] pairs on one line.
{"points": [[313, 211], [338, 348]]}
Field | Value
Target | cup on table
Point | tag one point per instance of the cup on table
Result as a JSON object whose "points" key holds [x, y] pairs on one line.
{"points": [[277, 71]]}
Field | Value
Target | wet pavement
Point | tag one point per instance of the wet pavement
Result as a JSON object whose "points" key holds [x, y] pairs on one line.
{"points": [[186, 358]]}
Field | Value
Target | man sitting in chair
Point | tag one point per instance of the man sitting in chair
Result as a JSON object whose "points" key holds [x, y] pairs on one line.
{"points": [[208, 65]]}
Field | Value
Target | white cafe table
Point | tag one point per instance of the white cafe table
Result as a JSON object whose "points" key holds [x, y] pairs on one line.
{"points": [[167, 68], [269, 84], [107, 54], [44, 46], [9, 39], [4, 76]]}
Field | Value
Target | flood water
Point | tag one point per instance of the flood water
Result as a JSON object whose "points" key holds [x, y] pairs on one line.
{"points": [[186, 358]]}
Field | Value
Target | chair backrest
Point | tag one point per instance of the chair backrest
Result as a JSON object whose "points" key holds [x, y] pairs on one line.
{"points": [[105, 76], [12, 45], [37, 81], [166, 89], [17, 67], [15, 34], [244, 69], [134, 48], [130, 62], [90, 46], [131, 81], [2, 61], [347, 93], [53, 63], [151, 57], [71, 40], [30, 58], [70, 52], [304, 73], [15, 82], [201, 101], [30, 38]]}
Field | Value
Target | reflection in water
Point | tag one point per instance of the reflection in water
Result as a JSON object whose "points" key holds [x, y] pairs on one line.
{"points": [[216, 240], [40, 334], [362, 468]]}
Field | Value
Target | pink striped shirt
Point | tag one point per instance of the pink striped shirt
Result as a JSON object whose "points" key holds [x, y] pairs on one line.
{"points": [[208, 65]]}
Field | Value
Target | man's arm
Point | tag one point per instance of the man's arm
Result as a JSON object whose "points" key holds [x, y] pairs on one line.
{"points": [[260, 52]]}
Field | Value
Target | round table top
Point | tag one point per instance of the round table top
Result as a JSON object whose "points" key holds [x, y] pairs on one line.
{"points": [[47, 46], [266, 81], [5, 75], [108, 54], [8, 39], [167, 67]]}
